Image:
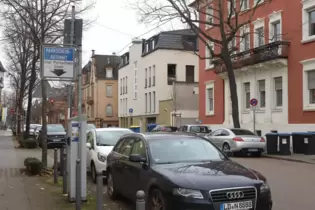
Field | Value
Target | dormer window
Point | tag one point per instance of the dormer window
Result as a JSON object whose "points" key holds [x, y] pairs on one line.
{"points": [[153, 44], [109, 73], [146, 47], [108, 60]]}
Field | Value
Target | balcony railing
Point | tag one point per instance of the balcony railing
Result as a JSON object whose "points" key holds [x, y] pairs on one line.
{"points": [[268, 52]]}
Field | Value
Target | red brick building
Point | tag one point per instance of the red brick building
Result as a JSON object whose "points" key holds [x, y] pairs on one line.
{"points": [[277, 68]]}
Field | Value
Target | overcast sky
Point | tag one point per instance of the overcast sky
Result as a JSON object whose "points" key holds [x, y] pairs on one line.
{"points": [[114, 27]]}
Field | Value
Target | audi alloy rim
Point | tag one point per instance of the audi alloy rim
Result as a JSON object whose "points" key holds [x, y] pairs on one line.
{"points": [[157, 203], [110, 184]]}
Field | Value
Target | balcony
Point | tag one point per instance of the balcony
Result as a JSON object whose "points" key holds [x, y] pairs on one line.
{"points": [[267, 56], [90, 100]]}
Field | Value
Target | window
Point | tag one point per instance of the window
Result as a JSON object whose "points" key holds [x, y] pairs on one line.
{"points": [[147, 47], [171, 74], [245, 40], [153, 44], [126, 85], [150, 76], [109, 110], [153, 103], [139, 148], [262, 93], [308, 84], [153, 75], [126, 147], [135, 65], [135, 87], [311, 86], [260, 37], [244, 4], [278, 91], [257, 2], [146, 78], [190, 73], [209, 58], [242, 132], [120, 107], [311, 22], [210, 98], [275, 30], [110, 138], [150, 103], [231, 7], [146, 103], [109, 90], [247, 95], [308, 20], [109, 73], [121, 85], [209, 15]]}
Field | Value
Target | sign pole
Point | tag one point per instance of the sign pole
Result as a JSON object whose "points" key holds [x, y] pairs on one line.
{"points": [[254, 102]]}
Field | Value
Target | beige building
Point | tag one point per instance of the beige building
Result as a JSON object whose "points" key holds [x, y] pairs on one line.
{"points": [[100, 90]]}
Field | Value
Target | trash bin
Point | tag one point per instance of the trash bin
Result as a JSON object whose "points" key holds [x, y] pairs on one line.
{"points": [[272, 143], [274, 131], [284, 143], [309, 144], [298, 142]]}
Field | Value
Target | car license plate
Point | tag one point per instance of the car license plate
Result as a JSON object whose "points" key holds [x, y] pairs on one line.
{"points": [[244, 205], [56, 140], [252, 150]]}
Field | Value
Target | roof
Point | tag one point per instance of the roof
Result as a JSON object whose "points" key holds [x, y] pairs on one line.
{"points": [[52, 92], [111, 129], [103, 61], [87, 67], [155, 135]]}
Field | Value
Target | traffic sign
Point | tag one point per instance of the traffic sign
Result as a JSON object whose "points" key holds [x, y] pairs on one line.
{"points": [[131, 110], [12, 110], [253, 102], [58, 62]]}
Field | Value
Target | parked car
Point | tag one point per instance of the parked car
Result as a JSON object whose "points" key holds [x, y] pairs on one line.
{"points": [[183, 171], [32, 128], [56, 136], [100, 142], [238, 140], [201, 130], [90, 126], [36, 130], [164, 128]]}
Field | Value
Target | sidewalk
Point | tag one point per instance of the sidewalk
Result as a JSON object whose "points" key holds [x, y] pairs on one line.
{"points": [[310, 159]]}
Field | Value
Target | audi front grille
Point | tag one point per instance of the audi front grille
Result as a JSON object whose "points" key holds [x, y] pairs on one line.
{"points": [[233, 194]]}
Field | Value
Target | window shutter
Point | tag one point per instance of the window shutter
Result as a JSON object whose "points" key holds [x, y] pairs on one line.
{"points": [[311, 79], [278, 83], [261, 84]]}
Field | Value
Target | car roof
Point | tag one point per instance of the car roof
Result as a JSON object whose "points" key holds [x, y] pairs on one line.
{"points": [[111, 129], [153, 136]]}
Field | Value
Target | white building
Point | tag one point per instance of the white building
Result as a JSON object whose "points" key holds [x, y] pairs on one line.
{"points": [[147, 73]]}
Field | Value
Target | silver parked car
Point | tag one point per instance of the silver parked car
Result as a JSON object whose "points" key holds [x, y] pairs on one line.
{"points": [[238, 140]]}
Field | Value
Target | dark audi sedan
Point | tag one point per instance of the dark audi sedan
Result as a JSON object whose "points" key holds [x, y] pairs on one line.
{"points": [[183, 172]]}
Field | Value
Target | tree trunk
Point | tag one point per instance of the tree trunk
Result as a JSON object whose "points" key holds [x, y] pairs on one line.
{"points": [[233, 91], [30, 93]]}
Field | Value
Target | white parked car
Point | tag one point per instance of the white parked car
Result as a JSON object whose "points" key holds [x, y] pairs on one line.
{"points": [[100, 142]]}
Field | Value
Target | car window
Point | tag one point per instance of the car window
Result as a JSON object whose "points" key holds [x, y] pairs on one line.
{"points": [[156, 129], [179, 149], [109, 137], [55, 128], [126, 147], [118, 145], [199, 129], [139, 148], [184, 128], [89, 139], [225, 133], [242, 132], [216, 133]]}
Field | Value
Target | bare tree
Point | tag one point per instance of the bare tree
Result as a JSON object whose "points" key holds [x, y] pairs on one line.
{"points": [[226, 18], [44, 20]]}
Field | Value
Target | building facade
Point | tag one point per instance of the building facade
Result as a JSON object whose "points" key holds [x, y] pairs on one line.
{"points": [[274, 63], [148, 76], [100, 90]]}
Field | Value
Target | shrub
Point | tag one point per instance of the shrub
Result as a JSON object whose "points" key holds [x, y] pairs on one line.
{"points": [[30, 143], [33, 165]]}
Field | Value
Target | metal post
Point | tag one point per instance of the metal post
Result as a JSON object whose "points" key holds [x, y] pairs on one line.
{"points": [[55, 166], [78, 186], [64, 181], [140, 202], [62, 163], [99, 191], [254, 119]]}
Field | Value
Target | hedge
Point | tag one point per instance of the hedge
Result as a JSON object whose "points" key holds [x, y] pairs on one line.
{"points": [[33, 165]]}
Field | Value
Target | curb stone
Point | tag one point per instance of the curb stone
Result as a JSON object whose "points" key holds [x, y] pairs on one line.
{"points": [[288, 159]]}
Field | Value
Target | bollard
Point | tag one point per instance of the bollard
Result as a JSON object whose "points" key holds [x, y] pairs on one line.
{"points": [[140, 203], [99, 191], [62, 163], [64, 175], [55, 167], [78, 186]]}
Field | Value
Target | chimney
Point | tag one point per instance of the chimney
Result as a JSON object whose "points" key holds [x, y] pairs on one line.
{"points": [[113, 53], [93, 53], [136, 41]]}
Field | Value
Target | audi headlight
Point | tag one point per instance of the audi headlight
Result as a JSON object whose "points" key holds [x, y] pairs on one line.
{"points": [[264, 187], [188, 193], [101, 157]]}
